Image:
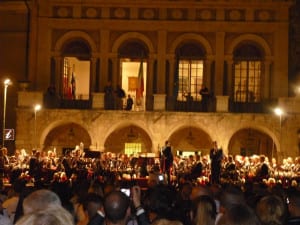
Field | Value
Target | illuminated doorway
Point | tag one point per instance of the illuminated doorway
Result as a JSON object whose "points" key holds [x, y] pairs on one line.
{"points": [[76, 79], [134, 81]]}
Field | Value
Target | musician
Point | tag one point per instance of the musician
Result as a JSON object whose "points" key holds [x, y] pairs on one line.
{"points": [[167, 159], [35, 165], [263, 170], [216, 156]]}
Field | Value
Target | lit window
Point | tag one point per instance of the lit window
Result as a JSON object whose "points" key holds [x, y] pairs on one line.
{"points": [[133, 148], [190, 79], [247, 81]]}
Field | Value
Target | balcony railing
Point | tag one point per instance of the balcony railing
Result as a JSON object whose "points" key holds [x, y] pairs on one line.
{"points": [[97, 101]]}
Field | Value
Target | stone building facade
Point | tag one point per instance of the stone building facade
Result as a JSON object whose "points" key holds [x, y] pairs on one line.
{"points": [[240, 49]]}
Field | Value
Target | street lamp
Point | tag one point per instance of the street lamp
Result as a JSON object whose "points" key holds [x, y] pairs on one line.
{"points": [[7, 82], [37, 108]]}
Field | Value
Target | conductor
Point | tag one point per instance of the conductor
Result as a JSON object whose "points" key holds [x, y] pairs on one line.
{"points": [[167, 160], [216, 156]]}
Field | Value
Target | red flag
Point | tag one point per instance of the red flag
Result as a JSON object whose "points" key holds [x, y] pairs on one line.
{"points": [[140, 85]]}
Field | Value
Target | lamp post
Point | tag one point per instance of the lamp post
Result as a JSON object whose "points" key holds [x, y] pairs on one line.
{"points": [[279, 112], [6, 84], [37, 108]]}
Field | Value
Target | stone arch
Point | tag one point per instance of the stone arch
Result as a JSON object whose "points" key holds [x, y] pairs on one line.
{"points": [[75, 34], [132, 35], [258, 128], [193, 37], [138, 129], [191, 138], [253, 38], [59, 123]]}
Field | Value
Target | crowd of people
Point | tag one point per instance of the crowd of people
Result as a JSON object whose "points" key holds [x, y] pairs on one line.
{"points": [[43, 188]]}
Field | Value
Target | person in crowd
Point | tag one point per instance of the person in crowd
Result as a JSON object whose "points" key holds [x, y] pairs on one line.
{"points": [[129, 103], [230, 195], [239, 214], [139, 208], [41, 199], [263, 170], [271, 210], [159, 203], [35, 165], [4, 218], [200, 190], [93, 204], [116, 208], [10, 204], [3, 162], [53, 216], [204, 97], [196, 170], [167, 158], [166, 222], [204, 211], [216, 156], [293, 202], [109, 96], [120, 93], [183, 202]]}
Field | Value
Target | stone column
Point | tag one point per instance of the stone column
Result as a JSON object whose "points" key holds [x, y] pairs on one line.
{"points": [[161, 62], [149, 75], [222, 103], [58, 75], [172, 65], [115, 72], [159, 102], [171, 97], [230, 84], [219, 66], [93, 74], [104, 44], [207, 73], [266, 89]]}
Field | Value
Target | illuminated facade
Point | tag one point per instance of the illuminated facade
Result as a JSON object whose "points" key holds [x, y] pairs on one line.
{"points": [[160, 52]]}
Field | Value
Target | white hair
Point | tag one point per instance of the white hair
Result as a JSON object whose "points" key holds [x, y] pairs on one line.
{"points": [[40, 200]]}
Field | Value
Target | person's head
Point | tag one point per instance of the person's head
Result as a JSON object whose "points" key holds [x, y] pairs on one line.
{"points": [[41, 199], [239, 214], [93, 203], [204, 210], [271, 210], [199, 191], [166, 222], [293, 201], [57, 216], [262, 158], [230, 196], [116, 207], [160, 202]]}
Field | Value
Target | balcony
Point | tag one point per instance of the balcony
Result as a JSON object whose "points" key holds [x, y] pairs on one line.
{"points": [[97, 101]]}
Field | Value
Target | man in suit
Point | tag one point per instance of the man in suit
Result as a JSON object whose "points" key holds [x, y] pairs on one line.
{"points": [[94, 207], [216, 156], [167, 160], [117, 208]]}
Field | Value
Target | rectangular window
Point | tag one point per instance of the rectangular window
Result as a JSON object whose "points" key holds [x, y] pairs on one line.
{"points": [[190, 79], [76, 79], [133, 148], [247, 81]]}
